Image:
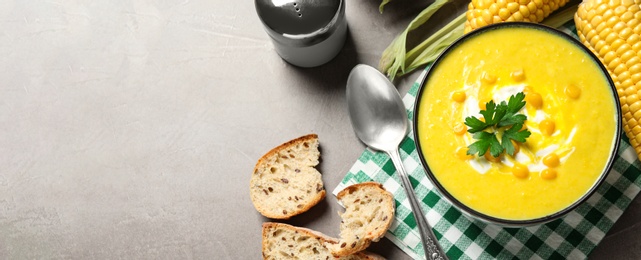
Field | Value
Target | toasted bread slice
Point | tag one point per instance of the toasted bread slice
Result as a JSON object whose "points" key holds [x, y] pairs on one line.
{"points": [[285, 182], [369, 211], [282, 241]]}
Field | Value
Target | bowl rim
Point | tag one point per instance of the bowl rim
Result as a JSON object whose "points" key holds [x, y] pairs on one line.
{"points": [[510, 222]]}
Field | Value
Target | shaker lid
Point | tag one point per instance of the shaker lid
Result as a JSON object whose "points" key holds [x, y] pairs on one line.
{"points": [[298, 20]]}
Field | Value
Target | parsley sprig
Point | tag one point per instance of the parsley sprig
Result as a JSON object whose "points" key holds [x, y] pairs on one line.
{"points": [[499, 120]]}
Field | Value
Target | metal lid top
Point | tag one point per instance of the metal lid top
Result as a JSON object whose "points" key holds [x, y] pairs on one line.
{"points": [[298, 20]]}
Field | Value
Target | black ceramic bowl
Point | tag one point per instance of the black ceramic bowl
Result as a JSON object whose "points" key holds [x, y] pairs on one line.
{"points": [[468, 211]]}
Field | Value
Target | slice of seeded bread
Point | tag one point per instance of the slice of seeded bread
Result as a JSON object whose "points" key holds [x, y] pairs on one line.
{"points": [[285, 182], [282, 241], [369, 210]]}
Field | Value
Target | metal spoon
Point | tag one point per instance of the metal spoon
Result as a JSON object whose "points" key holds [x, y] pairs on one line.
{"points": [[379, 120]]}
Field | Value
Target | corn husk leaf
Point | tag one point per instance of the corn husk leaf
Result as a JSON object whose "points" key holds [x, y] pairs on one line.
{"points": [[393, 58], [435, 44], [383, 3], [561, 17]]}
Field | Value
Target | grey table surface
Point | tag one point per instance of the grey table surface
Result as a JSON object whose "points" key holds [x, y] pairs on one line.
{"points": [[129, 129]]}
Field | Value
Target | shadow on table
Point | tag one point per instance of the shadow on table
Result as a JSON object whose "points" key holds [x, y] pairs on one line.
{"points": [[306, 218], [312, 215], [332, 75], [386, 249]]}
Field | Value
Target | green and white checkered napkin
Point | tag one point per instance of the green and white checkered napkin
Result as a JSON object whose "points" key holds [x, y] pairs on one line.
{"points": [[573, 236]]}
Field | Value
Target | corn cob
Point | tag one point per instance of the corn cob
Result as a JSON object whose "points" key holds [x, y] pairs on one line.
{"points": [[485, 12], [611, 29]]}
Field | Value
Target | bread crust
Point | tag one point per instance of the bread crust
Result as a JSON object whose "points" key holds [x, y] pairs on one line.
{"points": [[261, 166], [373, 233], [322, 238]]}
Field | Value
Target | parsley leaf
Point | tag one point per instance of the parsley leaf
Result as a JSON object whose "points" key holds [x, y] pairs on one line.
{"points": [[484, 141], [475, 124], [493, 113], [514, 133], [513, 120], [502, 118], [481, 145], [515, 103]]}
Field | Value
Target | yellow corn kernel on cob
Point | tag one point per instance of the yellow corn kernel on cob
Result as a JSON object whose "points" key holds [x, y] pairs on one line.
{"points": [[612, 30], [485, 12]]}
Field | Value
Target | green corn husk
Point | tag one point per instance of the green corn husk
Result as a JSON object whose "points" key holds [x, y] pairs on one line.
{"points": [[429, 49], [383, 3], [393, 58], [396, 62]]}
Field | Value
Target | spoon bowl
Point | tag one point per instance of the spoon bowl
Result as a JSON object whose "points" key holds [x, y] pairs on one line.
{"points": [[379, 120], [375, 108]]}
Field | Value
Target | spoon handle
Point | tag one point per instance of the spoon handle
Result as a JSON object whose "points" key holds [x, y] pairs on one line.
{"points": [[433, 250]]}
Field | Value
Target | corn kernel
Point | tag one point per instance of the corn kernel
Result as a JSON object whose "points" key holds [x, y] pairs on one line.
{"points": [[490, 158], [534, 5], [520, 171], [636, 106], [493, 9], [551, 160], [548, 174], [487, 16], [546, 10], [572, 91], [488, 78], [534, 99], [518, 75], [547, 127], [540, 15], [524, 10], [480, 22], [517, 16], [512, 7], [461, 153], [482, 104], [504, 14], [460, 128], [459, 96]]}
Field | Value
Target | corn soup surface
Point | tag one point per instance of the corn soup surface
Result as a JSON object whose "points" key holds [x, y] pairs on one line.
{"points": [[570, 111]]}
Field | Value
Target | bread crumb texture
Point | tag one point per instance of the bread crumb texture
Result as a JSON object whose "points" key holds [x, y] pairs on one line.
{"points": [[284, 182], [369, 211], [282, 241]]}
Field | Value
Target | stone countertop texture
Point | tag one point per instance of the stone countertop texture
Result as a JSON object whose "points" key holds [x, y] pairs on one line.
{"points": [[129, 129]]}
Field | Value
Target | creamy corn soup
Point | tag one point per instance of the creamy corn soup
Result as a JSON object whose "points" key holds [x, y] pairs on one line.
{"points": [[570, 113]]}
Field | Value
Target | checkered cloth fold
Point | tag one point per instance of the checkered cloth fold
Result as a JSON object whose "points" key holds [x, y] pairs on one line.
{"points": [[574, 236]]}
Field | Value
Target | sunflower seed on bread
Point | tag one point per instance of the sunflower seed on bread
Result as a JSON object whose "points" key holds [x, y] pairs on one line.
{"points": [[369, 210], [284, 182], [282, 241]]}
